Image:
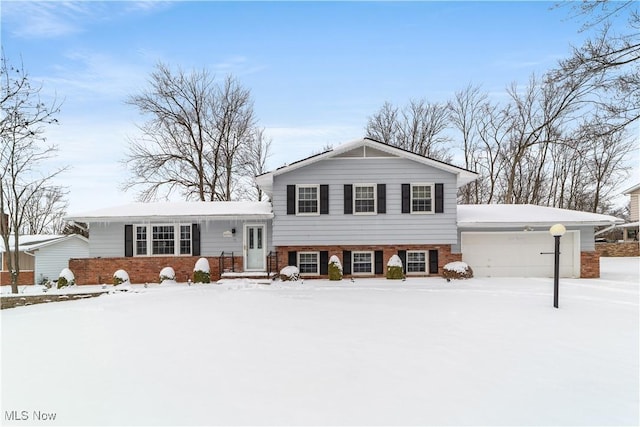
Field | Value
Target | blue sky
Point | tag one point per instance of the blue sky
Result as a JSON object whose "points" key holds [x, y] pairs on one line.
{"points": [[316, 70]]}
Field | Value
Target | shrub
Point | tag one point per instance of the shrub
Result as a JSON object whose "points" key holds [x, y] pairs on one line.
{"points": [[120, 277], [66, 278], [394, 268], [335, 268], [290, 273], [167, 273], [201, 272], [457, 270]]}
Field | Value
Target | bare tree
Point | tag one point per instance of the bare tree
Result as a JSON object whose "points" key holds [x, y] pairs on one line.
{"points": [[609, 61], [193, 137], [23, 180], [418, 127], [254, 163], [44, 212]]}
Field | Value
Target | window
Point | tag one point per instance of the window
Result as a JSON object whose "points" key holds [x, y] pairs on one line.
{"points": [[364, 200], [416, 262], [141, 240], [422, 198], [162, 240], [362, 262], [185, 240], [307, 202], [308, 262]]}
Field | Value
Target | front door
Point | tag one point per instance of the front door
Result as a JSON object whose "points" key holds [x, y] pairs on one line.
{"points": [[254, 247]]}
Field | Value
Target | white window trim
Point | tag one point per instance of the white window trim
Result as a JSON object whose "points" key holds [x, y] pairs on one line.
{"points": [[426, 263], [317, 187], [317, 254], [375, 199], [176, 239], [433, 198], [373, 262]]}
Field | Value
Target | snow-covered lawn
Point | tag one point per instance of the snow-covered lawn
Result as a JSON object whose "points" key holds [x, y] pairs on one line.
{"points": [[423, 351]]}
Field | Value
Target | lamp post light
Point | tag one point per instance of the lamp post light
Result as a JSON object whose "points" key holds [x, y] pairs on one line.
{"points": [[556, 231]]}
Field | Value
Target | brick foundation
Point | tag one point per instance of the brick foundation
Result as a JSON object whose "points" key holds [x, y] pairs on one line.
{"points": [[589, 265], [24, 278], [94, 271], [444, 252], [618, 249]]}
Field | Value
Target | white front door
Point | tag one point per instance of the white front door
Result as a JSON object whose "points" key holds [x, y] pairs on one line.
{"points": [[254, 247]]}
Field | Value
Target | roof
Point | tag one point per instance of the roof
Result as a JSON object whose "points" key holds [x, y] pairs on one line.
{"points": [[500, 216], [170, 211], [33, 242], [632, 189], [464, 176]]}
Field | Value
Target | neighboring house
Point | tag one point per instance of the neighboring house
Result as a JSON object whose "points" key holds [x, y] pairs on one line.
{"points": [[42, 257], [363, 201], [630, 230]]}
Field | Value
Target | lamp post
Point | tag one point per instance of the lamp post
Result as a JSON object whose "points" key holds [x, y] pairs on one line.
{"points": [[556, 231]]}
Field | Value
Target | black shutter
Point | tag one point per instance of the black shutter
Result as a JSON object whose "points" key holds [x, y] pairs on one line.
{"points": [[406, 198], [293, 258], [195, 239], [324, 262], [379, 267], [382, 198], [291, 199], [439, 198], [346, 262], [324, 199], [348, 199], [403, 257], [433, 261], [128, 240]]}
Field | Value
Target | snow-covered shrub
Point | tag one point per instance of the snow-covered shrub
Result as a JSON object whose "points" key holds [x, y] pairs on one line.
{"points": [[66, 278], [394, 268], [335, 268], [201, 272], [457, 270], [120, 277], [290, 272], [167, 273]]}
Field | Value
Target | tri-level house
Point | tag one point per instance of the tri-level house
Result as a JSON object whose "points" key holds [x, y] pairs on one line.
{"points": [[363, 201]]}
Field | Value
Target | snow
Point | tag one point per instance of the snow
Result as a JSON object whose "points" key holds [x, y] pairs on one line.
{"points": [[31, 241], [335, 261], [122, 275], [67, 274], [168, 273], [167, 210], [457, 266], [202, 265], [290, 270], [394, 261], [501, 215], [490, 351]]}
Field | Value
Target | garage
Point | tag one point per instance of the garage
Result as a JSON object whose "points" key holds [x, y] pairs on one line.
{"points": [[520, 253]]}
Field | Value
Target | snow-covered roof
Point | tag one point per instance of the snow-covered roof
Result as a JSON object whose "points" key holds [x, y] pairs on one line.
{"points": [[498, 216], [177, 211], [37, 241], [464, 176], [632, 189]]}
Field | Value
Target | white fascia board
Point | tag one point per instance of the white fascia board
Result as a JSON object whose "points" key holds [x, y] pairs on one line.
{"points": [[173, 218], [504, 225]]}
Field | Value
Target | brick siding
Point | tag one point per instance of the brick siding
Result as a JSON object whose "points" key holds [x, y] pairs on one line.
{"points": [[444, 252], [24, 278], [589, 265], [94, 271], [618, 249]]}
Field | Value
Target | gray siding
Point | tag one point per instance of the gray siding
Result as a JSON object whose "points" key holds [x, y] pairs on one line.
{"points": [[587, 242], [393, 227], [107, 239], [50, 260]]}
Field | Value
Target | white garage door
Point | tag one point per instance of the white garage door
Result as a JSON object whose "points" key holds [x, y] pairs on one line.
{"points": [[520, 254]]}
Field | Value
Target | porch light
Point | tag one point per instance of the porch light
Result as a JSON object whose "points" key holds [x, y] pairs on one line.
{"points": [[557, 231]]}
